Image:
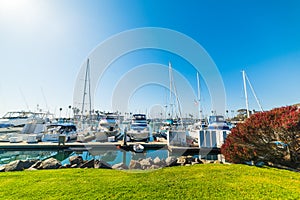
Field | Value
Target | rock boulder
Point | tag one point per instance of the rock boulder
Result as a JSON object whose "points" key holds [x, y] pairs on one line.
{"points": [[120, 166], [134, 164], [171, 161], [19, 165], [101, 164], [146, 163], [76, 160], [50, 163]]}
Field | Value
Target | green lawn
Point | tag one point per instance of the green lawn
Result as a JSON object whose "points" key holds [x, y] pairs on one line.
{"points": [[210, 181]]}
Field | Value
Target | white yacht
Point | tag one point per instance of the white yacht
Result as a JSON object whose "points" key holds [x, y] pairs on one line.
{"points": [[108, 127], [14, 121], [34, 127], [217, 122], [60, 129], [15, 118], [215, 134], [139, 129]]}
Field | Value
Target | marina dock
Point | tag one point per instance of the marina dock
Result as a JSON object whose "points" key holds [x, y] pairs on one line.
{"points": [[76, 145], [193, 150]]}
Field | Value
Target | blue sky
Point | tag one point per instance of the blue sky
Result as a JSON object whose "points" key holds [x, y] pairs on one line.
{"points": [[44, 43]]}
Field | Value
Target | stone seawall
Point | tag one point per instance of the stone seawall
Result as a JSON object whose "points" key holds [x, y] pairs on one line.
{"points": [[78, 162]]}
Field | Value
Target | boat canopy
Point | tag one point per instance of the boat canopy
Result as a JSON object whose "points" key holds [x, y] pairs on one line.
{"points": [[139, 116], [216, 118], [17, 115], [63, 126]]}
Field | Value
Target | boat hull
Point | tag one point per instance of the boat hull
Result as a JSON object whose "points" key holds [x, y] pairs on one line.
{"points": [[49, 137], [136, 135], [101, 136], [177, 138], [112, 133], [194, 134]]}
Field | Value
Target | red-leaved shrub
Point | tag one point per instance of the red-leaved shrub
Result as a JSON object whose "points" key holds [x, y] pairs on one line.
{"points": [[272, 136]]}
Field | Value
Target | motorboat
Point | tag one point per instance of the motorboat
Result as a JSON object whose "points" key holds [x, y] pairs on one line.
{"points": [[36, 127], [31, 132], [14, 121], [217, 122], [24, 122], [108, 127], [138, 129], [167, 125], [215, 134], [68, 130], [138, 148], [15, 139], [15, 118], [84, 135]]}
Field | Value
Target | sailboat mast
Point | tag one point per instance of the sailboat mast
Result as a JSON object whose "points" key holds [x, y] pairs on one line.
{"points": [[171, 86], [87, 78], [90, 98], [198, 88], [246, 94]]}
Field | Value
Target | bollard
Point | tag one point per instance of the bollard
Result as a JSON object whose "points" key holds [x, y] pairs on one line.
{"points": [[61, 140], [125, 138]]}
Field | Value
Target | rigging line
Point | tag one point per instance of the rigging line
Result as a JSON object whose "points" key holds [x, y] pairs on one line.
{"points": [[254, 94], [177, 100], [24, 99], [171, 87], [45, 99], [179, 107], [166, 103]]}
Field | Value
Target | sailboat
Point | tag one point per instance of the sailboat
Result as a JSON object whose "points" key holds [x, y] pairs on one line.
{"points": [[176, 134], [85, 125], [218, 129], [201, 124]]}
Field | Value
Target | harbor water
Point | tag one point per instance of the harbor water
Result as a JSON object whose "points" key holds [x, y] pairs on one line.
{"points": [[110, 156]]}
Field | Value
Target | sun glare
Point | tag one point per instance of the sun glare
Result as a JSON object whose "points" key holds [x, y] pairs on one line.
{"points": [[19, 13], [12, 6], [18, 9]]}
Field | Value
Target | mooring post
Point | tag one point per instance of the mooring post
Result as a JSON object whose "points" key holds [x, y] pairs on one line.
{"points": [[61, 140], [124, 157], [125, 137]]}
